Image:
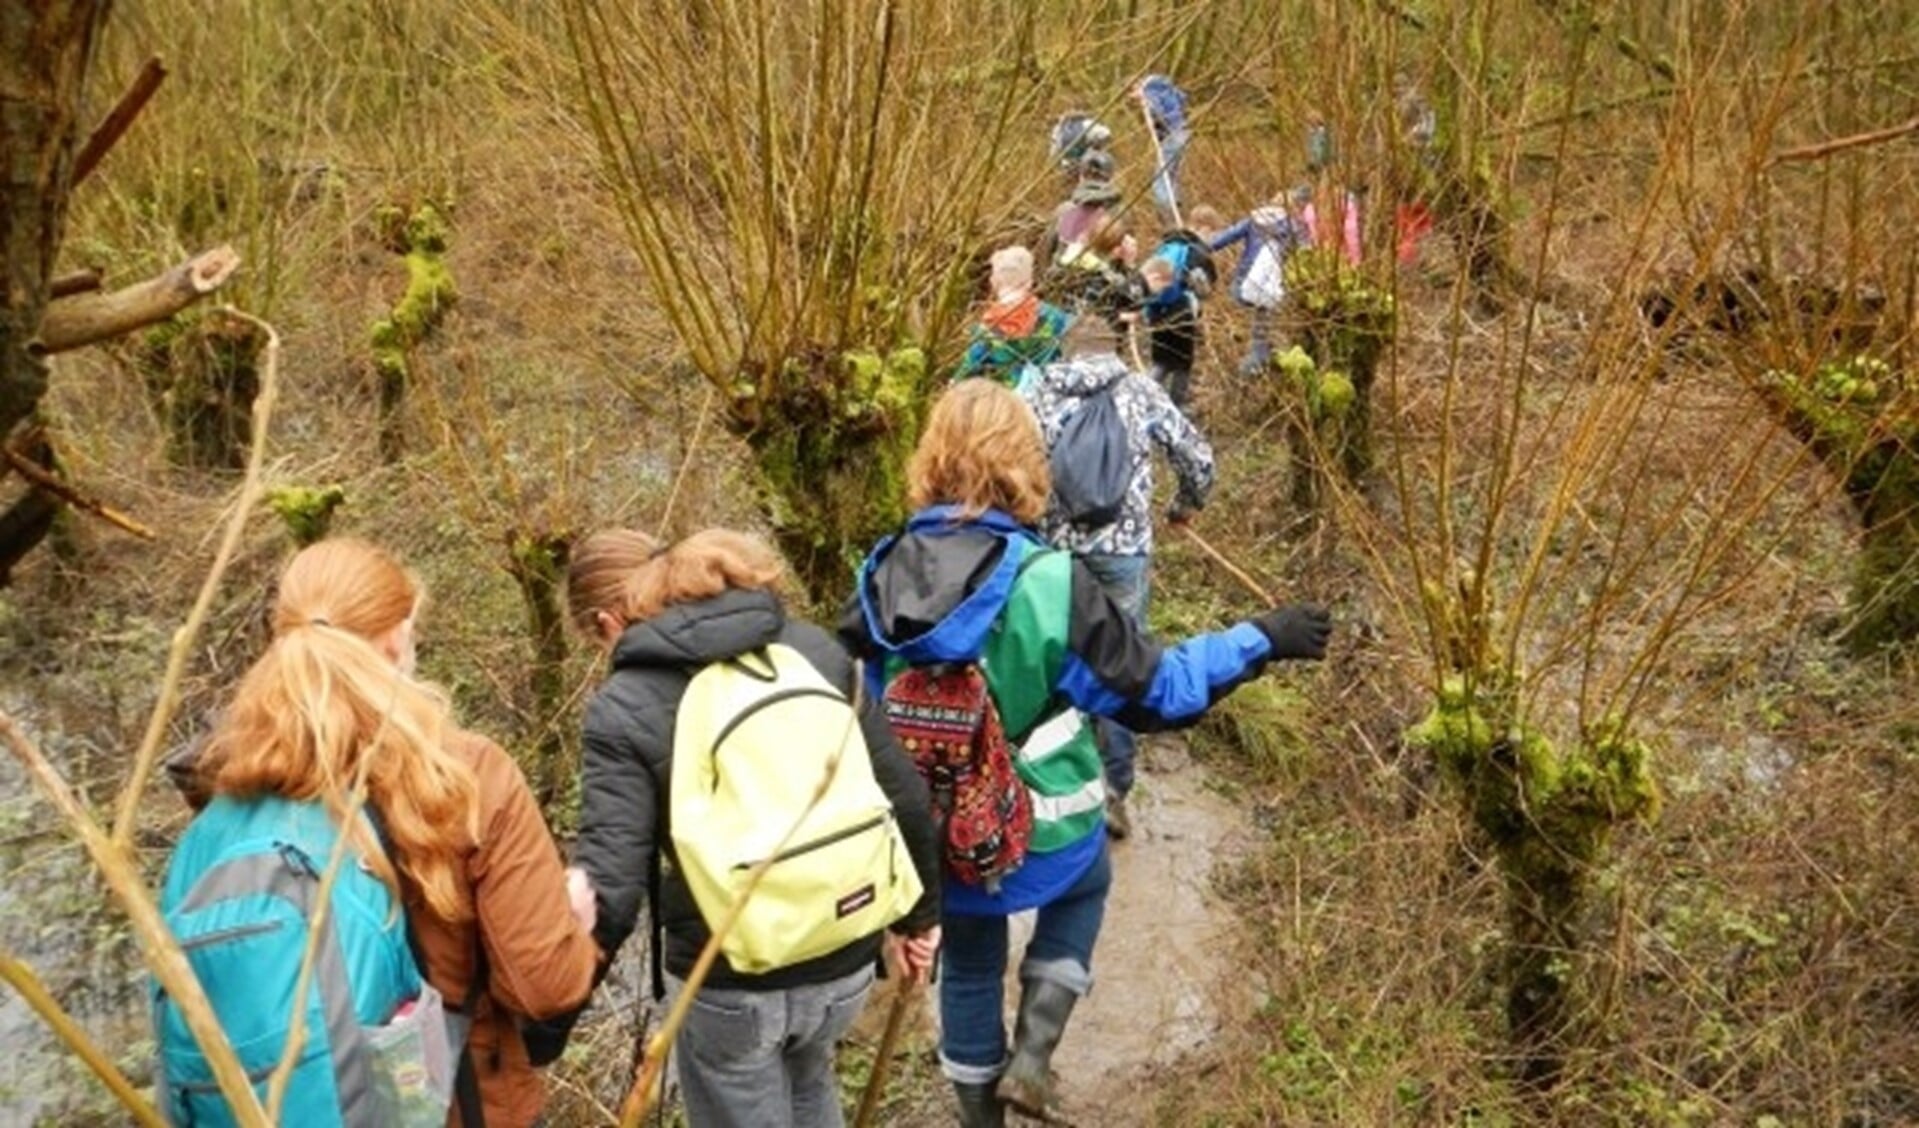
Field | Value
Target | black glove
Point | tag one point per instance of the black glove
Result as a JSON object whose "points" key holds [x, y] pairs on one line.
{"points": [[1299, 631]]}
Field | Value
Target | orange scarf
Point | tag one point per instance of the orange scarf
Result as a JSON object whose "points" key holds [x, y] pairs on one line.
{"points": [[1015, 319]]}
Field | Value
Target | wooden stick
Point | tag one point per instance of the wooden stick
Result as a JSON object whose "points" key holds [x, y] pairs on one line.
{"points": [[1159, 160], [42, 480], [1840, 144], [22, 979], [1232, 569], [114, 125], [158, 948], [79, 282], [883, 1057], [75, 322], [183, 639]]}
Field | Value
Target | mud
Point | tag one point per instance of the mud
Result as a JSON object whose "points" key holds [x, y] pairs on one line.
{"points": [[1164, 970]]}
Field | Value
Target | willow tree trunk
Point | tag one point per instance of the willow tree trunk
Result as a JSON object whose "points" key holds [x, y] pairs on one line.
{"points": [[49, 48]]}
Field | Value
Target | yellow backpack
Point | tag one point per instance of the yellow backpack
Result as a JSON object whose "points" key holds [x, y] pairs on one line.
{"points": [[758, 736]]}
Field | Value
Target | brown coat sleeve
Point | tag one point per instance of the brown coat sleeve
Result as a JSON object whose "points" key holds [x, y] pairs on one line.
{"points": [[539, 961]]}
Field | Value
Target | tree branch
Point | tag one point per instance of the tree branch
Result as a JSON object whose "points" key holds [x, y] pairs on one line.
{"points": [[114, 125], [1840, 144], [73, 323], [43, 480], [79, 282]]}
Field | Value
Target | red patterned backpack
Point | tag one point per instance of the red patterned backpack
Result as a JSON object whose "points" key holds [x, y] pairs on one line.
{"points": [[947, 721]]}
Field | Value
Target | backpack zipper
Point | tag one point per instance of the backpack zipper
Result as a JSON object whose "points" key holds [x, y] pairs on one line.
{"points": [[822, 843], [222, 935]]}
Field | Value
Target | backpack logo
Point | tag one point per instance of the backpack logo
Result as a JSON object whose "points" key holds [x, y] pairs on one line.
{"points": [[1092, 462], [761, 741], [946, 718], [240, 897]]}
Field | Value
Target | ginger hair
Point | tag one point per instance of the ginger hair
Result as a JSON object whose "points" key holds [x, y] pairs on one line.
{"points": [[981, 450], [325, 710], [633, 577]]}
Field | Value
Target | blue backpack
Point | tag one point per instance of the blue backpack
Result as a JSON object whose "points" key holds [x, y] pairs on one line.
{"points": [[1193, 269], [240, 893], [1165, 103]]}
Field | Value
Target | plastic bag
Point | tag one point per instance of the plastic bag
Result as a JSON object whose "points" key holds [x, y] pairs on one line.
{"points": [[414, 1063]]}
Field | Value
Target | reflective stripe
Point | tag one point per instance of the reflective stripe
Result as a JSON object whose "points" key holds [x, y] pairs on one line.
{"points": [[1054, 808], [1055, 735], [275, 873]]}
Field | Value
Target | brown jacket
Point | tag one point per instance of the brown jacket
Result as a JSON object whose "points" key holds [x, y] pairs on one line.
{"points": [[540, 962]]}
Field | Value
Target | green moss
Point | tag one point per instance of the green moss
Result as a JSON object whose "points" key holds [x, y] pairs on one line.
{"points": [[1335, 395], [429, 293], [1856, 415], [831, 434], [306, 510]]}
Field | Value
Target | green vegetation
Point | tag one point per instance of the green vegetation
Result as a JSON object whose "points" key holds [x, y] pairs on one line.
{"points": [[1857, 416], [422, 238], [307, 510]]}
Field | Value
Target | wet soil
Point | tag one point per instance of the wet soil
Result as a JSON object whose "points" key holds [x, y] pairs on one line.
{"points": [[1164, 969]]}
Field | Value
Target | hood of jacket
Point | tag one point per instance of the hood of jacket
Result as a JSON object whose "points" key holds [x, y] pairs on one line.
{"points": [[1084, 375], [702, 631], [932, 592]]}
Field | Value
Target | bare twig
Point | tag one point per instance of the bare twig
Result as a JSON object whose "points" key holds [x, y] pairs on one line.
{"points": [[243, 506], [692, 450], [1245, 580], [1841, 144], [21, 978], [42, 480], [80, 321], [112, 127], [159, 949]]}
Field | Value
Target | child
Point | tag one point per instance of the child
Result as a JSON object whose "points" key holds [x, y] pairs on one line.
{"points": [[1166, 113], [1017, 330], [1174, 279], [1089, 203], [1076, 136], [1096, 275], [1340, 228], [1266, 238]]}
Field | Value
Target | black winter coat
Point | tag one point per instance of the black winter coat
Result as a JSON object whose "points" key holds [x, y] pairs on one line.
{"points": [[629, 755]]}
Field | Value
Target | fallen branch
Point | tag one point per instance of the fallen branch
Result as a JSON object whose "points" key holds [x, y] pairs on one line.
{"points": [[42, 480], [1841, 144], [243, 506], [22, 979], [76, 322], [112, 127], [79, 282]]}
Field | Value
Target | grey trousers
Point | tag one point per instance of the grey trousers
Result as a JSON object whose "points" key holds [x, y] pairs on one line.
{"points": [[764, 1059]]}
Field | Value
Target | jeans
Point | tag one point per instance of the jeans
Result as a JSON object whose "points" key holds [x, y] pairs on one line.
{"points": [[1166, 178], [764, 1059], [1127, 579], [1259, 347], [973, 956], [1178, 383]]}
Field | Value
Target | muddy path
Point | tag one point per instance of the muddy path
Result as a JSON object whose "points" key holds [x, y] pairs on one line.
{"points": [[1164, 969]]}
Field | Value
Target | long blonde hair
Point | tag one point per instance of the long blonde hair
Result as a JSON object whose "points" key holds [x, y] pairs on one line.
{"points": [[981, 450], [324, 707], [633, 577]]}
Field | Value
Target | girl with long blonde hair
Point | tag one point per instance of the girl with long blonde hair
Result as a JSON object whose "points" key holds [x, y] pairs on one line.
{"points": [[331, 713]]}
